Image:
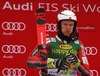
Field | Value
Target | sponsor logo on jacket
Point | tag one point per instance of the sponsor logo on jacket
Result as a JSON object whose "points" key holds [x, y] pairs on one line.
{"points": [[64, 46]]}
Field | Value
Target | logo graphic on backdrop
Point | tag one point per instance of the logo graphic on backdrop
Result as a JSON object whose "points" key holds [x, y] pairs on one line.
{"points": [[51, 27], [94, 73], [40, 72], [13, 49], [13, 26], [91, 50], [14, 72]]}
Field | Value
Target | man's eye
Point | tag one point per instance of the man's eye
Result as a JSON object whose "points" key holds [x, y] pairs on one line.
{"points": [[65, 24], [71, 25]]}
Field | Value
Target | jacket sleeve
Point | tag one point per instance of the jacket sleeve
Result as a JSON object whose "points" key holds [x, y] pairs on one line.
{"points": [[83, 68], [49, 60]]}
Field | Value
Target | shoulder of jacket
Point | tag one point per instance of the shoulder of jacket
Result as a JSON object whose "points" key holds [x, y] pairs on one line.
{"points": [[50, 39], [77, 41]]}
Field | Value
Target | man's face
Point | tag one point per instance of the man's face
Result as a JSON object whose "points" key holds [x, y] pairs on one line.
{"points": [[67, 27]]}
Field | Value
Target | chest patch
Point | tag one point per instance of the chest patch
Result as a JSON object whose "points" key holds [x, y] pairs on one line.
{"points": [[53, 40], [63, 46]]}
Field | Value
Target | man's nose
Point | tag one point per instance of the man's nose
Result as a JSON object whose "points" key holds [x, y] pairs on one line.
{"points": [[68, 27]]}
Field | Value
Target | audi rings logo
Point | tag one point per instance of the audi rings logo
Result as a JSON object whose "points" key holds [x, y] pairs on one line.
{"points": [[13, 49], [14, 72], [40, 73], [91, 50], [51, 27], [13, 26], [94, 73]]}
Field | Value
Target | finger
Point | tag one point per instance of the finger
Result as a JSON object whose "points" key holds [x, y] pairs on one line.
{"points": [[65, 67], [67, 63]]}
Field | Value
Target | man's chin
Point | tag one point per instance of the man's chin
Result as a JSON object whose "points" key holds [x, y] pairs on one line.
{"points": [[67, 35]]}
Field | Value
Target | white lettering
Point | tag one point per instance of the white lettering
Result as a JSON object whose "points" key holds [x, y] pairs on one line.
{"points": [[25, 6], [7, 33], [72, 8], [65, 7], [89, 7], [98, 9], [11, 56], [7, 5], [40, 5], [18, 8], [54, 7], [31, 6], [47, 6], [77, 7]]}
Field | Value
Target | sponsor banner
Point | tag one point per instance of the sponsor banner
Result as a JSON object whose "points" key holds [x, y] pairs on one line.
{"points": [[18, 34]]}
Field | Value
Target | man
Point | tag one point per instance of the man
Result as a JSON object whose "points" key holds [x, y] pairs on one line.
{"points": [[66, 45], [66, 54]]}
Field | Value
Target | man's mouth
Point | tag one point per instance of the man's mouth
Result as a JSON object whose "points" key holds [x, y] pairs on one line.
{"points": [[68, 31]]}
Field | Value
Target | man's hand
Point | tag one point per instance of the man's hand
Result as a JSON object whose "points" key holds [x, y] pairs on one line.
{"points": [[61, 64], [66, 61], [71, 58]]}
